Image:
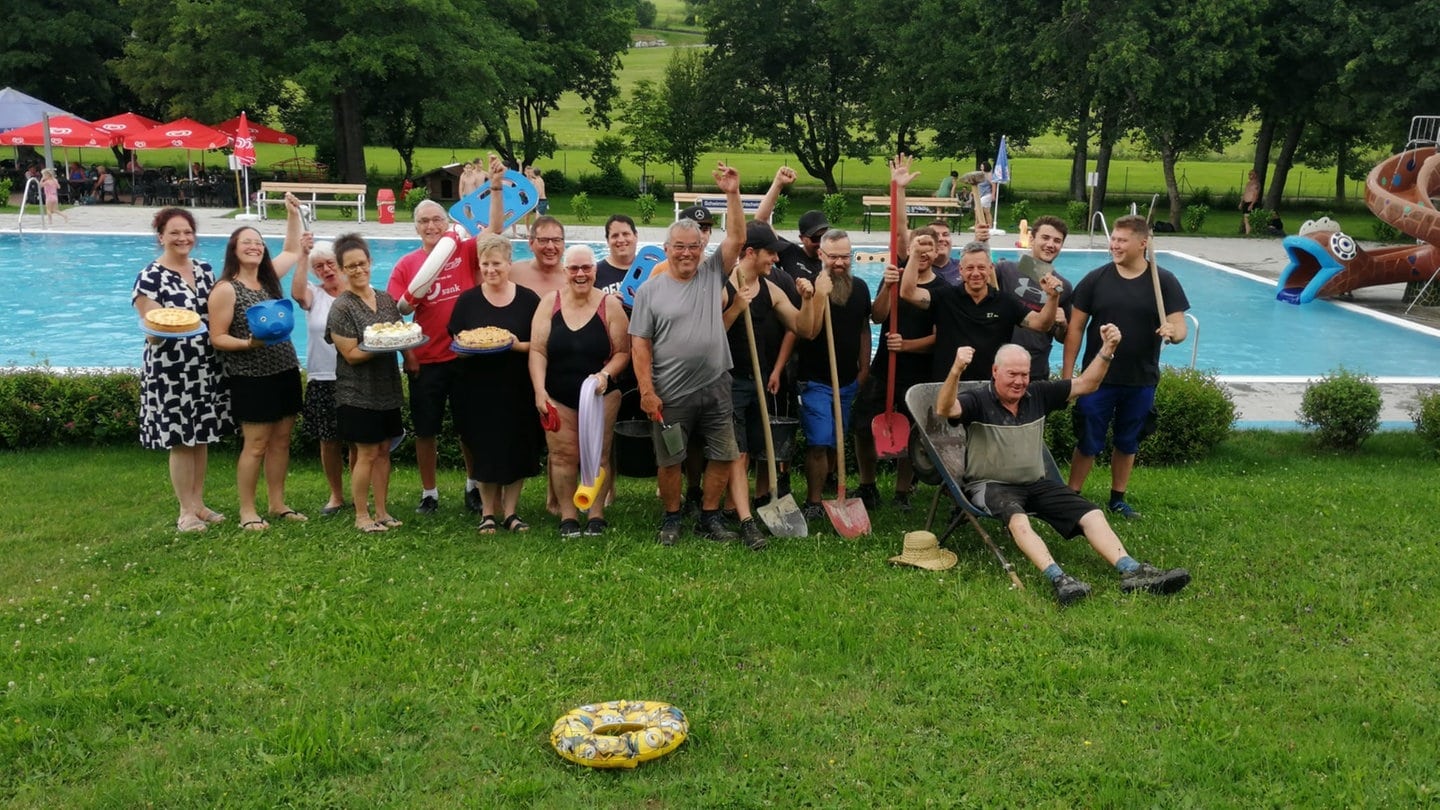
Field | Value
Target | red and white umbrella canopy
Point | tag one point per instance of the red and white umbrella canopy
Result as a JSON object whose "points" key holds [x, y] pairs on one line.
{"points": [[244, 145], [259, 133], [64, 131], [125, 124], [184, 133]]}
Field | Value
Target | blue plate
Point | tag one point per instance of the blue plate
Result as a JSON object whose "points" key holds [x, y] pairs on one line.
{"points": [[172, 335]]}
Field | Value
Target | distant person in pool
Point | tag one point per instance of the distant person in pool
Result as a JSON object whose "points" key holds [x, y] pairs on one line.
{"points": [[184, 404], [319, 409], [1123, 293], [264, 377]]}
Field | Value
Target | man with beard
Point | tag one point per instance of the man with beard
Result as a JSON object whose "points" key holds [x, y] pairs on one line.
{"points": [[1123, 293], [1005, 465], [682, 362], [1023, 279], [849, 301], [620, 235], [976, 314]]}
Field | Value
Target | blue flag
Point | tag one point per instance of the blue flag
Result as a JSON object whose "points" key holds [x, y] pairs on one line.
{"points": [[1002, 162]]}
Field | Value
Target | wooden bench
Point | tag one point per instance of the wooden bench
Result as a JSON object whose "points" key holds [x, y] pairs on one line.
{"points": [[916, 208], [347, 194], [715, 202]]}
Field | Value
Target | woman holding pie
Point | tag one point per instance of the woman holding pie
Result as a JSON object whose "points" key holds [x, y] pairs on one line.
{"points": [[367, 384], [497, 417], [264, 375], [578, 333], [184, 404]]}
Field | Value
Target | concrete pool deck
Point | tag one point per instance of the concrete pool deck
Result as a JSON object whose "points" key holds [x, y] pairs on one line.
{"points": [[1270, 401]]}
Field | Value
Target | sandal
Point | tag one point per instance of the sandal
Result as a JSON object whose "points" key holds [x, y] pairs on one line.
{"points": [[487, 525], [194, 524], [373, 527], [291, 514], [211, 516], [569, 528], [515, 524], [258, 525], [596, 527], [389, 522]]}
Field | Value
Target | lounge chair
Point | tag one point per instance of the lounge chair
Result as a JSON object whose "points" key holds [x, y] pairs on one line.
{"points": [[939, 460]]}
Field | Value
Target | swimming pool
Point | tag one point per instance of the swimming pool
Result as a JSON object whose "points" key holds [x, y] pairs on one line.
{"points": [[70, 299]]}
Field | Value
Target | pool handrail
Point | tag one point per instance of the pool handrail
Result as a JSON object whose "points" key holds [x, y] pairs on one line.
{"points": [[25, 198], [1103, 227], [1194, 339]]}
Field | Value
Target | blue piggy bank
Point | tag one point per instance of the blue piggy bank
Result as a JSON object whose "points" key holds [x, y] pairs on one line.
{"points": [[272, 321]]}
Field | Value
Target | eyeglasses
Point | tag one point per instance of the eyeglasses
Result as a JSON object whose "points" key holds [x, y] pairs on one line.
{"points": [[579, 268], [549, 240], [683, 247], [837, 258], [324, 263], [354, 266]]}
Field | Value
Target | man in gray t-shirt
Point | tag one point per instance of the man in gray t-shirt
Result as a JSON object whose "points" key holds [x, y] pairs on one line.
{"points": [[682, 363]]}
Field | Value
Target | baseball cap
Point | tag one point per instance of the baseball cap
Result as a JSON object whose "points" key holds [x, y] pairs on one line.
{"points": [[761, 236], [699, 213], [813, 223]]}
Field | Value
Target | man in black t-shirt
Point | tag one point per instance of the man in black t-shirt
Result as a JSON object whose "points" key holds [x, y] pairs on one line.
{"points": [[976, 314], [621, 237], [1005, 465], [850, 324], [1023, 279], [1123, 293]]}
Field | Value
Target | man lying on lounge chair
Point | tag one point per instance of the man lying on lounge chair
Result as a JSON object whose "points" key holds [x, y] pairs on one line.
{"points": [[1005, 469]]}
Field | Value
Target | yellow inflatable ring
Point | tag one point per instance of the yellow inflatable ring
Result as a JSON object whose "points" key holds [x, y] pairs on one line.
{"points": [[619, 734]]}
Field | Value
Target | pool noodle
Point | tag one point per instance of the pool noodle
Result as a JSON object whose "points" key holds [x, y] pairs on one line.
{"points": [[592, 441]]}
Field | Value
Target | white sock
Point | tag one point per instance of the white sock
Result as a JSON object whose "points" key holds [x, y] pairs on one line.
{"points": [[430, 493], [471, 483]]}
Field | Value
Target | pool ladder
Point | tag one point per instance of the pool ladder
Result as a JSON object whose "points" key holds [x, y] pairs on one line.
{"points": [[25, 198]]}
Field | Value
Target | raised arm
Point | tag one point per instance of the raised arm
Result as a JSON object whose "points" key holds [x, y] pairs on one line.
{"points": [[300, 282], [946, 404], [1094, 374], [784, 176], [910, 288], [901, 176], [294, 226], [729, 182], [1043, 320], [497, 196], [1079, 319]]}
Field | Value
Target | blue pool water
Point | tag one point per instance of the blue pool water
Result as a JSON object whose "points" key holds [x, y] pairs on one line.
{"points": [[70, 306]]}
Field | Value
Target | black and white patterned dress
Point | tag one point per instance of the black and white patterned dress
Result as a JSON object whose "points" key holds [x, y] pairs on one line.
{"points": [[184, 400]]}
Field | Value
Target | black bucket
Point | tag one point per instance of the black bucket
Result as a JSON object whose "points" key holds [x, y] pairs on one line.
{"points": [[783, 430], [634, 449]]}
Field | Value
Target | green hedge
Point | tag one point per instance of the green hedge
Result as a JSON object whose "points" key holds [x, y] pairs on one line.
{"points": [[43, 409]]}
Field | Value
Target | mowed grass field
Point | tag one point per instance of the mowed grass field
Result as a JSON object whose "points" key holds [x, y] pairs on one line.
{"points": [[312, 666]]}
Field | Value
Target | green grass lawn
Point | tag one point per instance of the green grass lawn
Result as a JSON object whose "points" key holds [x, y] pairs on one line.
{"points": [[314, 666]]}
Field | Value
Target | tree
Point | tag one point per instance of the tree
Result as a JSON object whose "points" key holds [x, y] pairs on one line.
{"points": [[795, 73], [59, 52], [569, 46], [643, 125], [691, 123]]}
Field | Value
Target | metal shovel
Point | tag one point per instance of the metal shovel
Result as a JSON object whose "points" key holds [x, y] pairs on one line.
{"points": [[781, 516]]}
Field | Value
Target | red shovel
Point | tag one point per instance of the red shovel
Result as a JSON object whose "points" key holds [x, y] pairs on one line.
{"points": [[890, 429]]}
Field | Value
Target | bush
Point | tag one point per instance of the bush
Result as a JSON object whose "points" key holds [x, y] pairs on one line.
{"points": [[1195, 217], [782, 204], [1426, 414], [1260, 220], [6, 186], [1020, 209], [1076, 212], [1202, 196], [1194, 412], [1229, 201], [580, 206], [413, 197], [556, 182], [646, 203], [1344, 409], [1385, 232], [645, 12], [834, 205], [607, 153], [606, 185], [44, 409]]}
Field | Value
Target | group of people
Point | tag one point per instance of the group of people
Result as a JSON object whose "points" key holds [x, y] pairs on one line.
{"points": [[684, 348]]}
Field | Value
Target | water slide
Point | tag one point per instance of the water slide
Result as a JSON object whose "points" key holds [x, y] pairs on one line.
{"points": [[1325, 262]]}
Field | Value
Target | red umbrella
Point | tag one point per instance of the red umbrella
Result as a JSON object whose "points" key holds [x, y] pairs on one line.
{"points": [[125, 124], [64, 131], [259, 133], [183, 133]]}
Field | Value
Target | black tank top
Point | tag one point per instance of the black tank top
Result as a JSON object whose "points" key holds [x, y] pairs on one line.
{"points": [[574, 354], [762, 309]]}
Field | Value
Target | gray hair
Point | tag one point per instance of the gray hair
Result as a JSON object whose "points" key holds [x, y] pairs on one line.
{"points": [[576, 250], [833, 235], [323, 250], [975, 247], [683, 225], [1012, 351], [423, 204]]}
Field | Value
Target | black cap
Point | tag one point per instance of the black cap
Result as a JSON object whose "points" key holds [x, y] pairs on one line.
{"points": [[813, 223], [761, 236], [699, 214]]}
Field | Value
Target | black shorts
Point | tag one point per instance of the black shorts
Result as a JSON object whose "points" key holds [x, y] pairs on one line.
{"points": [[260, 400], [1047, 499], [366, 426], [430, 389]]}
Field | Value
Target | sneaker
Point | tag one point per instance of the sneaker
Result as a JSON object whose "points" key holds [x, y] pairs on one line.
{"points": [[428, 506], [670, 530], [868, 495], [569, 529], [813, 511], [731, 516], [1149, 578], [902, 501], [596, 527], [472, 500], [1069, 590], [751, 535], [1124, 510], [713, 527]]}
